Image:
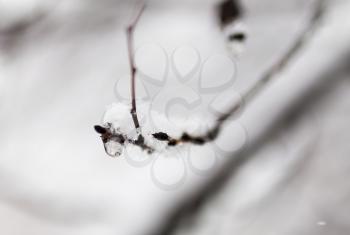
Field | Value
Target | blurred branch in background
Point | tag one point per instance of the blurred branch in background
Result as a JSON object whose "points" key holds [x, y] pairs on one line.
{"points": [[14, 28], [187, 211]]}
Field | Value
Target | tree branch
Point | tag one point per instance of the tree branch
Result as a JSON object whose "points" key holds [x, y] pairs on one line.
{"points": [[129, 34]]}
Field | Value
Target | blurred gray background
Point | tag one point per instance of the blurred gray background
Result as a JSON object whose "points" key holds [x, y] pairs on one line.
{"points": [[284, 164]]}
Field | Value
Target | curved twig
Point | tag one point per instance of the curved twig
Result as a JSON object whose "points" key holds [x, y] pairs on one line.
{"points": [[249, 94]]}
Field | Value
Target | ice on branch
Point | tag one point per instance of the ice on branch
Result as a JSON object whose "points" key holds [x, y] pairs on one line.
{"points": [[118, 131]]}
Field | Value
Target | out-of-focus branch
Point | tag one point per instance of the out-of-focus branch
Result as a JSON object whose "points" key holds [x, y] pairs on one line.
{"points": [[187, 210], [9, 34], [272, 72], [257, 87]]}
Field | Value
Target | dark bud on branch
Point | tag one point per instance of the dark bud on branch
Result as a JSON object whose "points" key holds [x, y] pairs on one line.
{"points": [[161, 136], [172, 142], [101, 130]]}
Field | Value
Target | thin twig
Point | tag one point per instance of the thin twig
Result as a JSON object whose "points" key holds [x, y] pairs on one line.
{"points": [[129, 34]]}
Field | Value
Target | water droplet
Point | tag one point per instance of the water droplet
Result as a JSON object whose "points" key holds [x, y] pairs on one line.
{"points": [[113, 148]]}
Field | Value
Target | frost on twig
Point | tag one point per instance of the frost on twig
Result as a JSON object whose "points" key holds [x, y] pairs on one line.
{"points": [[114, 139], [114, 142]]}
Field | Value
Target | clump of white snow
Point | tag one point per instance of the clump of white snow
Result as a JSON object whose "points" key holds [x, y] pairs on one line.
{"points": [[118, 114]]}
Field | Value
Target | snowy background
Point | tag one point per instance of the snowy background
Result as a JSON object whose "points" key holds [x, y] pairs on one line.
{"points": [[279, 167]]}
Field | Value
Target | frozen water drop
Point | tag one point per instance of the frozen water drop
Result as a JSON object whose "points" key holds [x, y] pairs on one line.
{"points": [[113, 148]]}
